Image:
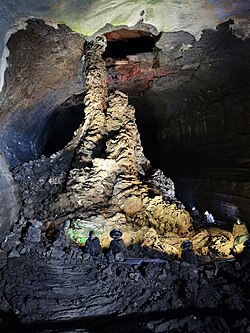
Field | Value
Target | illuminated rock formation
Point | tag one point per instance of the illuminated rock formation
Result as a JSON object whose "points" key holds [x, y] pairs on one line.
{"points": [[102, 180], [106, 182]]}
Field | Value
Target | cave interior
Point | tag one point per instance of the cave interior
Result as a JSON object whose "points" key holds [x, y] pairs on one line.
{"points": [[73, 146]]}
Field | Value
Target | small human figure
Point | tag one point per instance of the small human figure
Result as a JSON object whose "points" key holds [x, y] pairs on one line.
{"points": [[92, 244], [238, 221], [33, 235], [179, 205], [244, 258], [208, 218], [195, 212], [188, 254], [117, 246], [63, 240]]}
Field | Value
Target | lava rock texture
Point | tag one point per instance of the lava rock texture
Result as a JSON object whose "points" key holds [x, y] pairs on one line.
{"points": [[9, 198], [40, 287], [195, 122], [102, 178], [44, 69]]}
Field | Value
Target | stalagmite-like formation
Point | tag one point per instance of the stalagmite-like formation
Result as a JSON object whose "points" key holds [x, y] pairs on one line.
{"points": [[101, 179], [106, 182]]}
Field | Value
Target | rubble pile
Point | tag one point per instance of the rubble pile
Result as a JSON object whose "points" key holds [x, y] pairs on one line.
{"points": [[73, 285]]}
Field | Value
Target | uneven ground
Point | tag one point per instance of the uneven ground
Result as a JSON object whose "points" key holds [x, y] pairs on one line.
{"points": [[38, 288]]}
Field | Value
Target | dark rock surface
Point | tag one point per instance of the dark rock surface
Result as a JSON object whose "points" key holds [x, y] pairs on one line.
{"points": [[193, 118], [45, 69], [9, 198], [195, 123], [47, 287], [39, 287]]}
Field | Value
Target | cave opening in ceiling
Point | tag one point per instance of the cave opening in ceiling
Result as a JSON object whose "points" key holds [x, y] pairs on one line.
{"points": [[64, 121], [125, 42]]}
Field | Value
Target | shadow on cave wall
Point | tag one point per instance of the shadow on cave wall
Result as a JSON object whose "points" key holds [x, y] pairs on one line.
{"points": [[63, 122]]}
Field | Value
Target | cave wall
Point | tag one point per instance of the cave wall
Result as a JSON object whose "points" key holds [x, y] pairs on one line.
{"points": [[195, 123], [45, 69], [9, 198]]}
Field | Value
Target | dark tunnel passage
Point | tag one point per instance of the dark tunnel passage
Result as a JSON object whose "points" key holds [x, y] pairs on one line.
{"points": [[194, 125], [64, 121], [128, 42]]}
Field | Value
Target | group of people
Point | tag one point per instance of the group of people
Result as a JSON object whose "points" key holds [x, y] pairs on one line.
{"points": [[207, 217], [117, 250]]}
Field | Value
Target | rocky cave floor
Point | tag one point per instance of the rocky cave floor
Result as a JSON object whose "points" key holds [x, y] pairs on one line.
{"points": [[54, 291]]}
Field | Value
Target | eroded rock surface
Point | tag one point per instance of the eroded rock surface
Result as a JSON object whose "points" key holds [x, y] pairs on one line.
{"points": [[45, 69], [71, 287], [99, 176], [198, 118], [102, 177], [9, 198]]}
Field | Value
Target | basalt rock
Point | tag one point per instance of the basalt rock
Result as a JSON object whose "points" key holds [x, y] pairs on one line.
{"points": [[198, 118], [105, 175], [9, 198], [102, 178], [65, 288], [44, 70]]}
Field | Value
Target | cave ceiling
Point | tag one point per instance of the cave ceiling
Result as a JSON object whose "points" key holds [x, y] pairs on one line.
{"points": [[89, 16]]}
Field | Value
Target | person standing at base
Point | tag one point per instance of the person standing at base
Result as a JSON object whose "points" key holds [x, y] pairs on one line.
{"points": [[92, 244], [63, 240], [117, 248], [188, 254]]}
